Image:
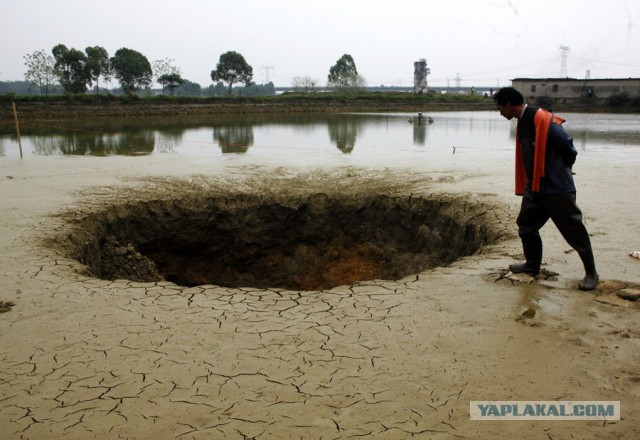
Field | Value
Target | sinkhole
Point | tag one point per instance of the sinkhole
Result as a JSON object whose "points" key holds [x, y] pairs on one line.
{"points": [[298, 242]]}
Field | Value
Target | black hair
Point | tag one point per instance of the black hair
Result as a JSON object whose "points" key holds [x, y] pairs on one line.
{"points": [[508, 95]]}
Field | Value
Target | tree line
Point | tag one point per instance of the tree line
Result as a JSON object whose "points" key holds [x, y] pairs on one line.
{"points": [[73, 71]]}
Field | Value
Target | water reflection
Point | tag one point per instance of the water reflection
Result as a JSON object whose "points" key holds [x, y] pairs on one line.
{"points": [[169, 139], [356, 134], [420, 124], [343, 133], [125, 144], [234, 138]]}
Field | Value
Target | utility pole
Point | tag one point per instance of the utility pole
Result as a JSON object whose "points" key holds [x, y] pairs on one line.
{"points": [[458, 79], [267, 69], [563, 61]]}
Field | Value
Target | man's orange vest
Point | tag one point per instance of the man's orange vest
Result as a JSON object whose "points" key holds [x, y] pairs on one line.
{"points": [[542, 121]]}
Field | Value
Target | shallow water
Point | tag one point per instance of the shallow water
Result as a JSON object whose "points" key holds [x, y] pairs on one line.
{"points": [[354, 138]]}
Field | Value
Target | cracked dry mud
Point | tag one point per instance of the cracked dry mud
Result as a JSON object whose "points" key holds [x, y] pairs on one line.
{"points": [[84, 357]]}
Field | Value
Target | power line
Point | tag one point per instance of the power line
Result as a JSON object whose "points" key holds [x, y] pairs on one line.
{"points": [[506, 69], [605, 62]]}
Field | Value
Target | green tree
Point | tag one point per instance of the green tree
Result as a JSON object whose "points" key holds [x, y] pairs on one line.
{"points": [[98, 64], [40, 70], [71, 69], [15, 87], [131, 69], [259, 90], [344, 74], [167, 74], [189, 89], [218, 89], [171, 81], [232, 68]]}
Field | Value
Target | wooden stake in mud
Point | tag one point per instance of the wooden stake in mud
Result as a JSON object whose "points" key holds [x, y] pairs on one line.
{"points": [[15, 118]]}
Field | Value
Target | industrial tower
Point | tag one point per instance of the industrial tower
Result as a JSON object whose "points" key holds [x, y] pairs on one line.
{"points": [[420, 72], [563, 60]]}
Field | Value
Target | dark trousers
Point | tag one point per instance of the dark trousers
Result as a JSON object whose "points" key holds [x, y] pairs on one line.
{"points": [[562, 209]]}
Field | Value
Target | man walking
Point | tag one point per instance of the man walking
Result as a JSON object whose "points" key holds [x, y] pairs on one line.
{"points": [[544, 157]]}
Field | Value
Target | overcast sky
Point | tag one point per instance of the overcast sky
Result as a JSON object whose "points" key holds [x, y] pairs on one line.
{"points": [[483, 42]]}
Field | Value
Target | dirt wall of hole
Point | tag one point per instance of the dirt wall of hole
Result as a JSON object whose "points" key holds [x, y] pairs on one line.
{"points": [[296, 242]]}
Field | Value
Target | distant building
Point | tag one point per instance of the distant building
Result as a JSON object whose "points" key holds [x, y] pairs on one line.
{"points": [[420, 72], [576, 89]]}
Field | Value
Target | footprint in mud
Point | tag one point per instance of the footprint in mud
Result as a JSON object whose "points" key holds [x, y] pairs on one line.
{"points": [[5, 306], [527, 318], [518, 278], [612, 292]]}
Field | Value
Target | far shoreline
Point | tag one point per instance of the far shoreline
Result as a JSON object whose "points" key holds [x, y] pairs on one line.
{"points": [[96, 106]]}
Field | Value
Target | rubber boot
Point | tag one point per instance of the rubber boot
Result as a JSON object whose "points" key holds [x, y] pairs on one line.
{"points": [[532, 247], [590, 279]]}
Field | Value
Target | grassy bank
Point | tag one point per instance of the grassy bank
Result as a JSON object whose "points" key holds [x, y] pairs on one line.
{"points": [[91, 106], [73, 107]]}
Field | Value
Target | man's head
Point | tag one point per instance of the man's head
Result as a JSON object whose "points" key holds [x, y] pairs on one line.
{"points": [[509, 102]]}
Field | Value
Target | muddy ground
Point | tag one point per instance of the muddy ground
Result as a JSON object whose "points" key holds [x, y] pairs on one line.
{"points": [[85, 357]]}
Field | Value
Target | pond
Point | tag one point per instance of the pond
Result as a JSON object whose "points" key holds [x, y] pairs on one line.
{"points": [[360, 137]]}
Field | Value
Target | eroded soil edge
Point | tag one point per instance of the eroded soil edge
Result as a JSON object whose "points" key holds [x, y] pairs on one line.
{"points": [[306, 238]]}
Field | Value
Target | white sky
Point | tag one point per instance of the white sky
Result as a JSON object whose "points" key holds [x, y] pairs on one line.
{"points": [[486, 42]]}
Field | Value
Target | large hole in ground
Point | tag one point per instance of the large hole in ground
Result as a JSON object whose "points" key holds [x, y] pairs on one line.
{"points": [[309, 242]]}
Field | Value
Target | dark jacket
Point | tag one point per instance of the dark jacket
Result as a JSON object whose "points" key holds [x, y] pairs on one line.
{"points": [[544, 154]]}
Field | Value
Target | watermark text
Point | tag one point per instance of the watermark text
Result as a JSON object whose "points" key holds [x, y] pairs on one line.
{"points": [[544, 410]]}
